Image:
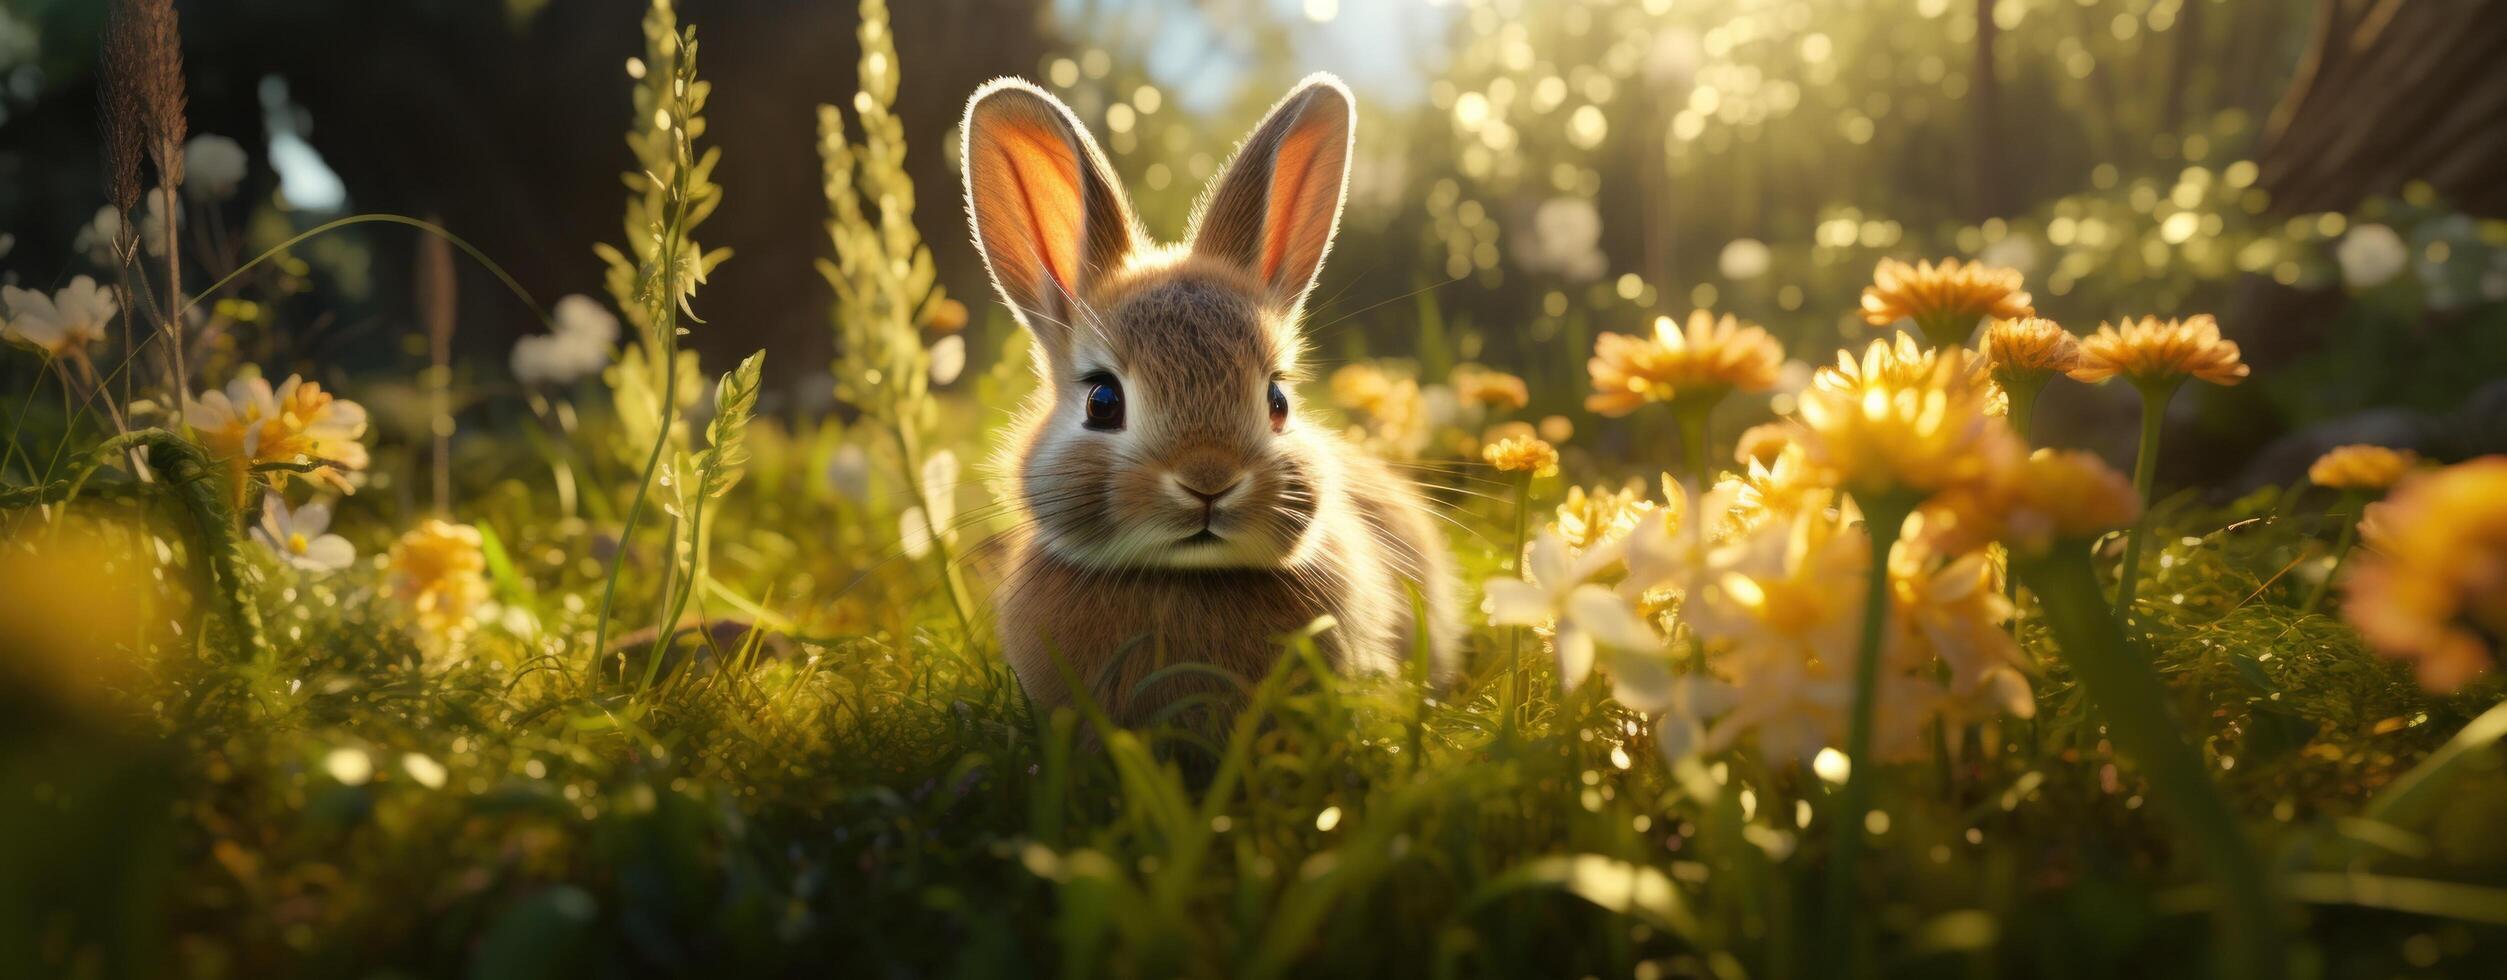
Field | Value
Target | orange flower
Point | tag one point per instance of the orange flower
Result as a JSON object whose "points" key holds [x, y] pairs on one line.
{"points": [[2361, 467], [250, 424], [1522, 454], [2154, 351], [1713, 357], [2030, 347], [2432, 588], [1944, 300], [1496, 389], [946, 316]]}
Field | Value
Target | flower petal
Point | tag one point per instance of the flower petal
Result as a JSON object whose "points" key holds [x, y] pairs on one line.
{"points": [[1515, 602], [1610, 619], [1575, 656], [329, 553], [1643, 680]]}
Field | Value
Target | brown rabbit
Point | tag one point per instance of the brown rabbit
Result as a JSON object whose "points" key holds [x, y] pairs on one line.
{"points": [[1177, 508]]}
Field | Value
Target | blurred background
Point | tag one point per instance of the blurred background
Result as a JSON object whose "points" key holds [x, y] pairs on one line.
{"points": [[2326, 175]]}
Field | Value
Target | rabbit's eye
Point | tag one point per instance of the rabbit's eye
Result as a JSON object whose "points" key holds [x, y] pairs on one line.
{"points": [[1279, 407], [1105, 404]]}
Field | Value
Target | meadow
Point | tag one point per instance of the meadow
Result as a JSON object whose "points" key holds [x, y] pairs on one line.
{"points": [[1860, 622]]}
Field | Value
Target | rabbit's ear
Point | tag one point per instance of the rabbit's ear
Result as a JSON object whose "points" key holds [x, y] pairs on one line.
{"points": [[1047, 213], [1274, 207]]}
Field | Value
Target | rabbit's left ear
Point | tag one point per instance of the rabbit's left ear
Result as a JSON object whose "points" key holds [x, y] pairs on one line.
{"points": [[1274, 207]]}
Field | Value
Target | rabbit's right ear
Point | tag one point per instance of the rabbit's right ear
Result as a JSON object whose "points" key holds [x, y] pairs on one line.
{"points": [[1046, 211]]}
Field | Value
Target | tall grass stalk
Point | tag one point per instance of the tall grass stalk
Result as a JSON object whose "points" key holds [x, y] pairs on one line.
{"points": [[884, 282], [672, 194], [2350, 510], [2133, 702]]}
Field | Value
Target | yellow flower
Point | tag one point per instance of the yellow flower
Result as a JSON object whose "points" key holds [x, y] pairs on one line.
{"points": [[2053, 495], [1783, 485], [1951, 607], [1944, 300], [1360, 388], [1900, 362], [1763, 443], [1897, 425], [1558, 428], [1495, 389], [1519, 454], [2154, 351], [2432, 588], [1397, 424], [2361, 467], [249, 424], [1712, 357], [438, 571], [1779, 615], [2030, 348], [1588, 519]]}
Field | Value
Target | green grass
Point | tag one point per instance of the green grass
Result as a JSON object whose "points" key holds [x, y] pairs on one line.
{"points": [[863, 791]]}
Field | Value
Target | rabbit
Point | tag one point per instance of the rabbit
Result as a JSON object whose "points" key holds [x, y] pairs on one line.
{"points": [[1176, 507]]}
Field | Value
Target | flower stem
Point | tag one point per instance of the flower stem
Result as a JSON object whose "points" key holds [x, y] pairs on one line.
{"points": [[2023, 393], [950, 587], [2154, 401], [2350, 511], [1693, 430], [1883, 517], [2133, 702], [1514, 634], [1946, 331]]}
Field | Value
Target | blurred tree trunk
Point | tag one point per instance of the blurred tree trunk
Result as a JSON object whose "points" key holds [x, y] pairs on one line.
{"points": [[2387, 92], [2392, 91], [1991, 198]]}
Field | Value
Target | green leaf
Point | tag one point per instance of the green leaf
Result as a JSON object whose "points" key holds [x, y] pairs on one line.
{"points": [[735, 401]]}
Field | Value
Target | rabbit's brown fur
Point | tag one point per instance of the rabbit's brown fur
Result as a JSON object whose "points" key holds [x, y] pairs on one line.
{"points": [[1202, 529]]}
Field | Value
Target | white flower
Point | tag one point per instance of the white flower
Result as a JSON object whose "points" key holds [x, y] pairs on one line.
{"points": [[2371, 256], [1564, 240], [917, 529], [64, 321], [582, 338], [212, 167], [848, 469], [1555, 590], [100, 239], [948, 358], [298, 537], [1744, 259], [96, 239], [583, 317]]}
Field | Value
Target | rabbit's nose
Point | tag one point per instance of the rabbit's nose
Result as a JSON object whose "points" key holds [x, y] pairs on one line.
{"points": [[1205, 478], [1209, 496]]}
